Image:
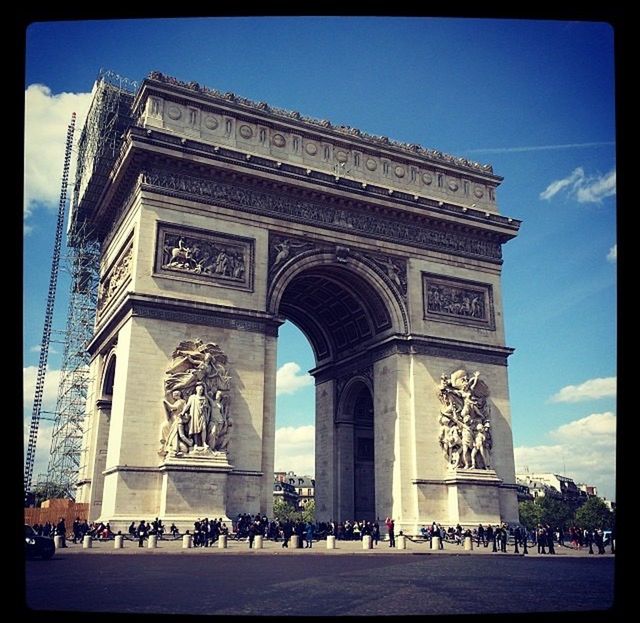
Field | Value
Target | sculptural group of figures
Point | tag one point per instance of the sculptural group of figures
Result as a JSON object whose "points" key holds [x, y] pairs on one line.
{"points": [[455, 301], [196, 405], [465, 428], [203, 258]]}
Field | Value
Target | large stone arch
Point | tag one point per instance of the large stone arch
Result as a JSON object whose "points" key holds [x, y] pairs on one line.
{"points": [[370, 307], [220, 219]]}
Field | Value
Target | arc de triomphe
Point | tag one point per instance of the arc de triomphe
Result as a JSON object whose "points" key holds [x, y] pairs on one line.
{"points": [[220, 219]]}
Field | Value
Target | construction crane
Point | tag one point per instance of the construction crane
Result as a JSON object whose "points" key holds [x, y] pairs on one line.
{"points": [[48, 318]]}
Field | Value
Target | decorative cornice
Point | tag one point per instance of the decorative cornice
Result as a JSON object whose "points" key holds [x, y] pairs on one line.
{"points": [[174, 310], [416, 345], [342, 131], [288, 207]]}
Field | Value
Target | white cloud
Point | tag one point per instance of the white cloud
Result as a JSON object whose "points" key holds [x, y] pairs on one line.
{"points": [[47, 116], [584, 450], [555, 187], [289, 380], [37, 348], [612, 256], [295, 449], [45, 427], [584, 189], [596, 189], [525, 148], [51, 383], [592, 389]]}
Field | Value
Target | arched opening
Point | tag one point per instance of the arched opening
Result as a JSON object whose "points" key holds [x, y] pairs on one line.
{"points": [[344, 312]]}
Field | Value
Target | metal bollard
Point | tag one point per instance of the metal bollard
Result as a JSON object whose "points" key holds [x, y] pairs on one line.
{"points": [[257, 542], [187, 541], [435, 542], [366, 542], [222, 541], [58, 541], [401, 541], [87, 542], [118, 542], [331, 542], [295, 541], [468, 544], [152, 543]]}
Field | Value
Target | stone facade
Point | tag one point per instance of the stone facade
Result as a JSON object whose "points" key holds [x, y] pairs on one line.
{"points": [[223, 218]]}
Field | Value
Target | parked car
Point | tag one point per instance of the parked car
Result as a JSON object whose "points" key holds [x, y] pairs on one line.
{"points": [[37, 546]]}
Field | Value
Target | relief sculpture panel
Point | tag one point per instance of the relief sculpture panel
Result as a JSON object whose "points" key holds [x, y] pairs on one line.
{"points": [[220, 259]]}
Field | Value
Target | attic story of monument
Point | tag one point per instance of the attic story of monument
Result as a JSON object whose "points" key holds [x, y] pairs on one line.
{"points": [[220, 218]]}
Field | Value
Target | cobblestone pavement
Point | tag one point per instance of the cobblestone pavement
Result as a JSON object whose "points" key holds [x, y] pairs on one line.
{"points": [[317, 581]]}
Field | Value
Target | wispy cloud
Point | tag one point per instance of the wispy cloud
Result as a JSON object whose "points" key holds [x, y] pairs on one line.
{"points": [[51, 383], [571, 181], [593, 389], [584, 449], [585, 189], [612, 256], [37, 348], [289, 379], [525, 148], [295, 449], [47, 116]]}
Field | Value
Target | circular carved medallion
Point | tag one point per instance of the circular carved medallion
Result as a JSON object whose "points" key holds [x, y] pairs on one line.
{"points": [[278, 140], [211, 123], [341, 156], [311, 149], [427, 178], [453, 185], [399, 171], [371, 164], [173, 112], [478, 192], [245, 131]]}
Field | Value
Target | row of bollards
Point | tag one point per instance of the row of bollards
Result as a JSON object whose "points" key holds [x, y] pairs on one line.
{"points": [[187, 542]]}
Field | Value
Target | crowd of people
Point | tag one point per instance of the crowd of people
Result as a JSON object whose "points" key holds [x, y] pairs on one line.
{"points": [[207, 531]]}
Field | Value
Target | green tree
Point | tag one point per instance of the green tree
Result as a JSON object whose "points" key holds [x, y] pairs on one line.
{"points": [[284, 511], [308, 513], [530, 514], [594, 514], [47, 491], [556, 513]]}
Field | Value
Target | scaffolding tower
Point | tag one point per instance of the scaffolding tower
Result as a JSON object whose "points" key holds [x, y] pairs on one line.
{"points": [[99, 145]]}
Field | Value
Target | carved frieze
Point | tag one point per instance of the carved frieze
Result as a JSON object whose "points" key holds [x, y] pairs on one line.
{"points": [[219, 259], [114, 279], [459, 301], [301, 210]]}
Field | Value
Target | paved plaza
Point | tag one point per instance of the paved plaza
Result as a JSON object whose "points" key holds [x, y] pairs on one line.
{"points": [[303, 582]]}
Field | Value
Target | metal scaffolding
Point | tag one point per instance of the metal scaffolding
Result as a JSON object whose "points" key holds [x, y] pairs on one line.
{"points": [[100, 141]]}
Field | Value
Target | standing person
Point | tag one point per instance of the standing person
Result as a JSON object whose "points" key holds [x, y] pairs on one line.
{"points": [[76, 530], [286, 533], [481, 534], [142, 533], [541, 538], [391, 531], [61, 530], [488, 535], [550, 534], [310, 531], [132, 529], [252, 534], [376, 532]]}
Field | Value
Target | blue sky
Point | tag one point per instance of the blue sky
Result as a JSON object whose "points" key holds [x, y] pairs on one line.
{"points": [[536, 99]]}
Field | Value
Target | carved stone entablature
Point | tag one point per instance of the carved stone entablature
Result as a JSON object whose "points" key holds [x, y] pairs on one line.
{"points": [[458, 301], [301, 210], [114, 279], [220, 259], [411, 149]]}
